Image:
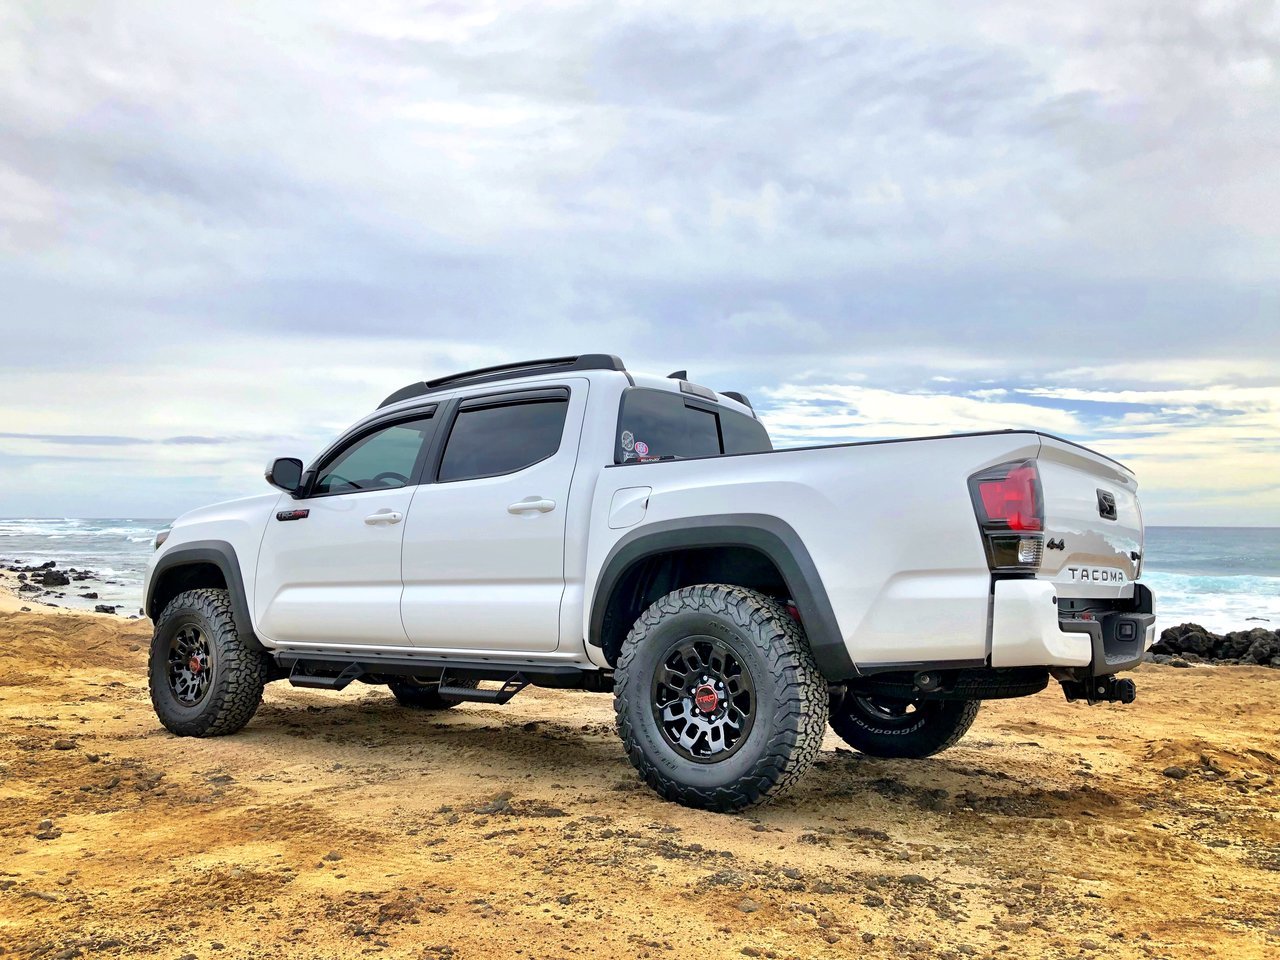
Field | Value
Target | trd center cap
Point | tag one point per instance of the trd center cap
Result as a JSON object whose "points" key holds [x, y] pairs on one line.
{"points": [[706, 699], [194, 664]]}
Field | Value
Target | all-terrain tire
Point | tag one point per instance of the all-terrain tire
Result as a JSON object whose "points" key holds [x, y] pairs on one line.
{"points": [[426, 696], [933, 725], [789, 697], [234, 673]]}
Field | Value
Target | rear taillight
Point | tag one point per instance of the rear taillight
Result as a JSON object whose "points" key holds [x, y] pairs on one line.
{"points": [[1010, 507]]}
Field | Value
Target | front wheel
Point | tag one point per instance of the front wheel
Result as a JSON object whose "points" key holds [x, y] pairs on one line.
{"points": [[205, 681], [719, 703], [889, 727]]}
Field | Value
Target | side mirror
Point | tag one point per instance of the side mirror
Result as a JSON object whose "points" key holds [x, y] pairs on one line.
{"points": [[285, 473]]}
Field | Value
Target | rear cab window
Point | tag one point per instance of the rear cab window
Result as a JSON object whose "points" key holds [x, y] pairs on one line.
{"points": [[662, 424]]}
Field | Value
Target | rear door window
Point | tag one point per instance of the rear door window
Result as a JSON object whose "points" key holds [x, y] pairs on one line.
{"points": [[489, 439]]}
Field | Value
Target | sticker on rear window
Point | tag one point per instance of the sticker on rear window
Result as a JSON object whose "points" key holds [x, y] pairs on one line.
{"points": [[642, 448], [628, 440]]}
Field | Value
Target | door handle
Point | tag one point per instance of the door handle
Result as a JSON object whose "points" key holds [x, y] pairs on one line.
{"points": [[384, 516], [532, 504]]}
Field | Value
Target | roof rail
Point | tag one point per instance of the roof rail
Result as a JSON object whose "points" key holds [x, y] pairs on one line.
{"points": [[741, 398], [508, 371]]}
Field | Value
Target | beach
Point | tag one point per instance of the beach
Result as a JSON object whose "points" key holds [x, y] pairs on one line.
{"points": [[338, 824]]}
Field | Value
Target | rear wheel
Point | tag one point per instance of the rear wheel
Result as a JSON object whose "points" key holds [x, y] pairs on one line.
{"points": [[425, 694], [204, 680], [889, 727], [719, 703]]}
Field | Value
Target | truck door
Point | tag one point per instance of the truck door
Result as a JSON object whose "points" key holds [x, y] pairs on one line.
{"points": [[484, 544], [329, 569]]}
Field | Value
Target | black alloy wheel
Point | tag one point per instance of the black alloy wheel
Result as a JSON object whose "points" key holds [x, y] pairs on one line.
{"points": [[190, 665], [703, 699]]}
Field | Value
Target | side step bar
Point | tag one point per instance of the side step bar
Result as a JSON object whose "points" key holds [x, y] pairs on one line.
{"points": [[510, 687], [335, 673], [323, 682]]}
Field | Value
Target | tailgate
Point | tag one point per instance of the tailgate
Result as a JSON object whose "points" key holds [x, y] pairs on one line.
{"points": [[1092, 522]]}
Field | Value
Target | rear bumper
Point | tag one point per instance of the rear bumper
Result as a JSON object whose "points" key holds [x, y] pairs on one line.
{"points": [[1028, 630]]}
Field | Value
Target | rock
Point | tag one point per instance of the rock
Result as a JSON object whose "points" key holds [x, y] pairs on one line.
{"points": [[25, 609], [333, 856], [1175, 773], [91, 595], [1192, 641], [55, 578], [912, 880], [498, 803], [104, 608], [747, 905], [63, 744]]}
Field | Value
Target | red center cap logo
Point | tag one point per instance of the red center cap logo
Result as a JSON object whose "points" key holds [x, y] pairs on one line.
{"points": [[194, 664], [705, 699]]}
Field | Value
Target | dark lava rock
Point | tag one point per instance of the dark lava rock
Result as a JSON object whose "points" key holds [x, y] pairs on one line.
{"points": [[104, 608], [1175, 773], [89, 596], [1192, 641], [61, 744], [54, 578]]}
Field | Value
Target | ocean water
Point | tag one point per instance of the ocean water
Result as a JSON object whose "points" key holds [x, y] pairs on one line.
{"points": [[115, 550], [1224, 578]]}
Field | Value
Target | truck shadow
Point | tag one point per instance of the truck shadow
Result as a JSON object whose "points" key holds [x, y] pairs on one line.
{"points": [[580, 754]]}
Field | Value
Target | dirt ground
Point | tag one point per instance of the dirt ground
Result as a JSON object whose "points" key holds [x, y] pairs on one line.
{"points": [[340, 825]]}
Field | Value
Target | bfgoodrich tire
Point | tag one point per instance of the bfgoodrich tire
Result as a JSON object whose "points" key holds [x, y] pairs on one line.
{"points": [[205, 681], [426, 696], [719, 703], [886, 727]]}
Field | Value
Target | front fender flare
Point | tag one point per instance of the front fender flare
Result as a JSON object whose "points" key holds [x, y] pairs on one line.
{"points": [[220, 554]]}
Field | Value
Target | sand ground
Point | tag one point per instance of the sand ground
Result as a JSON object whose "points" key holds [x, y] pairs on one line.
{"points": [[340, 825]]}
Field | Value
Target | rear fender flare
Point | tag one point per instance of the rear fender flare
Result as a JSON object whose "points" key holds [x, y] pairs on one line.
{"points": [[770, 536]]}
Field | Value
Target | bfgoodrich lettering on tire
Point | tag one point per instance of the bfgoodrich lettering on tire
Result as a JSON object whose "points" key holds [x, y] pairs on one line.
{"points": [[719, 703], [890, 727], [204, 681]]}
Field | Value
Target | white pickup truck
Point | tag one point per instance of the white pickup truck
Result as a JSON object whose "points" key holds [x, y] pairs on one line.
{"points": [[568, 523]]}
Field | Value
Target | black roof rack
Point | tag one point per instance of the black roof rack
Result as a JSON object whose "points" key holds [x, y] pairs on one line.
{"points": [[741, 398], [508, 371]]}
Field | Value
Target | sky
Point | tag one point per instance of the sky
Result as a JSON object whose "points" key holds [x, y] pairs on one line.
{"points": [[228, 231]]}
